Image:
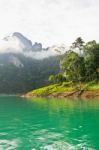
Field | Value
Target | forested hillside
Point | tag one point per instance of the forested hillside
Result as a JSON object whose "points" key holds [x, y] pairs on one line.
{"points": [[19, 74], [23, 65]]}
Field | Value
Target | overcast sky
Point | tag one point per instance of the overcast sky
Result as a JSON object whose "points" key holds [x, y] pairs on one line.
{"points": [[50, 21]]}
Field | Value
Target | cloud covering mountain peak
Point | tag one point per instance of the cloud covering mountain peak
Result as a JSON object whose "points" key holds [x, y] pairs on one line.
{"points": [[18, 43]]}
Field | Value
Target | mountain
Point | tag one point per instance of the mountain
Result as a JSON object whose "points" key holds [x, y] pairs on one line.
{"points": [[25, 66], [16, 41]]}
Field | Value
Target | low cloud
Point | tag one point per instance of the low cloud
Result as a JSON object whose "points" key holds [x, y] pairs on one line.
{"points": [[11, 45], [18, 44]]}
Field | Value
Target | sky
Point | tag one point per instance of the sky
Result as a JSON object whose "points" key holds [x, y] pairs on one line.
{"points": [[50, 22]]}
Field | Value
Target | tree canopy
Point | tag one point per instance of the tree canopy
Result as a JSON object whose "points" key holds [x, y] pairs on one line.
{"points": [[81, 62]]}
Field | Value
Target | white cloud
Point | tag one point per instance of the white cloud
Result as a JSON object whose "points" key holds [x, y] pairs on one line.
{"points": [[50, 21], [17, 44], [13, 45]]}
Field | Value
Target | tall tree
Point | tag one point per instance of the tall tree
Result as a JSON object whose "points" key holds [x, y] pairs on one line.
{"points": [[72, 65], [78, 44], [91, 59]]}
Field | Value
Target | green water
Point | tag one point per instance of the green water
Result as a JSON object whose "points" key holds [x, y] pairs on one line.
{"points": [[48, 124]]}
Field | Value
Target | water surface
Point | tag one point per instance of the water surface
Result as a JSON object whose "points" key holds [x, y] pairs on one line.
{"points": [[48, 124]]}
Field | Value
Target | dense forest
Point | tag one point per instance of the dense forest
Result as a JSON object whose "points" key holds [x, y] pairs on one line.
{"points": [[25, 75], [79, 64]]}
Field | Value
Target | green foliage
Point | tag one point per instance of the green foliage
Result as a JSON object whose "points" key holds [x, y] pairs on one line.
{"points": [[58, 78], [72, 66], [91, 60], [65, 87], [67, 83], [79, 64], [82, 65], [34, 73], [51, 78], [56, 88], [79, 43], [93, 86], [79, 70]]}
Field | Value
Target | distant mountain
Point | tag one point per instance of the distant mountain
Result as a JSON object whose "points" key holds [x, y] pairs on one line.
{"points": [[17, 43], [21, 39], [25, 66]]}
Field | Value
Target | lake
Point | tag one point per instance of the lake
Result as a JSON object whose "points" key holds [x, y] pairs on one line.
{"points": [[48, 124]]}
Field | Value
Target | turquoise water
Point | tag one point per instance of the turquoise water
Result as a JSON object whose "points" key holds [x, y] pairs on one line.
{"points": [[48, 124]]}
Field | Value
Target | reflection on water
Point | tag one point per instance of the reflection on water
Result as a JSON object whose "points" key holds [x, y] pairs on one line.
{"points": [[48, 124], [7, 144]]}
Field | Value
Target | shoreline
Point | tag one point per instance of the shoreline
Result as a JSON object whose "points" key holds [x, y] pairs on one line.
{"points": [[89, 94]]}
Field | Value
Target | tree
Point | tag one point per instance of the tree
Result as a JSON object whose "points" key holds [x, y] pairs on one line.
{"points": [[79, 67], [58, 78], [51, 78], [91, 60], [78, 44], [73, 66]]}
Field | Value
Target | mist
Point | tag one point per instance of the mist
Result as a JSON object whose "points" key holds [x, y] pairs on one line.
{"points": [[18, 44]]}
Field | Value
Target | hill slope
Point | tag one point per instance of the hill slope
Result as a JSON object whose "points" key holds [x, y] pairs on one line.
{"points": [[25, 66]]}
